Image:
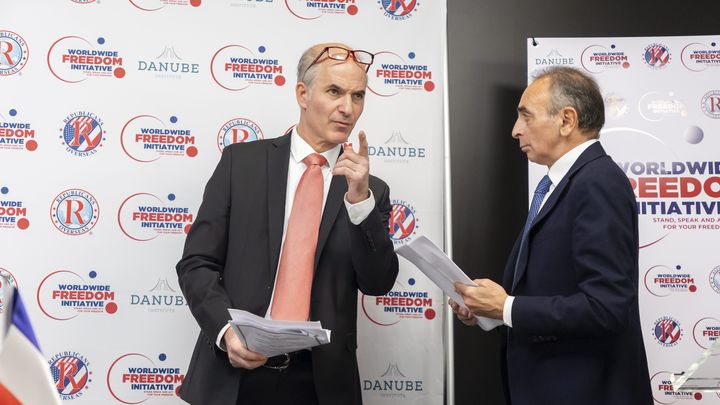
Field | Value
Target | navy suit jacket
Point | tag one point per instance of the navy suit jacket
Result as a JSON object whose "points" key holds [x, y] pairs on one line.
{"points": [[231, 257], [576, 336]]}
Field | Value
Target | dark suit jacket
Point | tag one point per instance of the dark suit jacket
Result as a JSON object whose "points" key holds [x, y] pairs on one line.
{"points": [[576, 335], [231, 256]]}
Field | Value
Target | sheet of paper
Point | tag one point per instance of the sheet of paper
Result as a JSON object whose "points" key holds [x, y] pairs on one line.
{"points": [[435, 264], [271, 338]]}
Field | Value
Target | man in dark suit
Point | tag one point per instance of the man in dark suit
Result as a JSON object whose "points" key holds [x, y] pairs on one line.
{"points": [[246, 248], [572, 326]]}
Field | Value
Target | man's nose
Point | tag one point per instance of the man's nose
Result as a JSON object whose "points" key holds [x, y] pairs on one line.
{"points": [[345, 106]]}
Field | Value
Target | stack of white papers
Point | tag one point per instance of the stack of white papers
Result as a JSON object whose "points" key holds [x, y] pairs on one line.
{"points": [[435, 264], [271, 338]]}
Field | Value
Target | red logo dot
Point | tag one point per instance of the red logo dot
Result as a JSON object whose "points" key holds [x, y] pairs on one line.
{"points": [[23, 223], [430, 313], [697, 396], [187, 228], [692, 288], [31, 145], [119, 72], [111, 308], [177, 390], [195, 3], [279, 80], [626, 65], [192, 151], [352, 10], [429, 86]]}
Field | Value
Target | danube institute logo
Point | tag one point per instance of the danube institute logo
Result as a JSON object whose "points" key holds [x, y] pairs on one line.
{"points": [[661, 281], [313, 9], [667, 331], [13, 53], [16, 134], [134, 378], [238, 130], [160, 298], [71, 373], [657, 56], [403, 222], [62, 295], [82, 133], [13, 212], [397, 150], [74, 59], [392, 383], [147, 138], [74, 211], [697, 57], [168, 65], [710, 104], [398, 10], [144, 217], [706, 332], [236, 67], [598, 58], [554, 58], [391, 73], [403, 302], [155, 5]]}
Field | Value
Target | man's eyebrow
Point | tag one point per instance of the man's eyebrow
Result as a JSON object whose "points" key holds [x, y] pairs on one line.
{"points": [[524, 110]]}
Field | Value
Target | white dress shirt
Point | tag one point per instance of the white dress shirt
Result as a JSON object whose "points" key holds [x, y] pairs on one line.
{"points": [[299, 150], [556, 173]]}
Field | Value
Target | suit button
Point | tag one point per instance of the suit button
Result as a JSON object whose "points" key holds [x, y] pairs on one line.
{"points": [[267, 287]]}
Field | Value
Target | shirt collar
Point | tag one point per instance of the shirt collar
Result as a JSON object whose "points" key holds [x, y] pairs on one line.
{"points": [[299, 150], [562, 166]]}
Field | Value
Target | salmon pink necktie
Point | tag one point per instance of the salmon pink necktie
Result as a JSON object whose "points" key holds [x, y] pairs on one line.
{"points": [[295, 273]]}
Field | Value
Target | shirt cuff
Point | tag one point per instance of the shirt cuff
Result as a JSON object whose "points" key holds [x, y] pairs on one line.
{"points": [[220, 342], [507, 310], [358, 212]]}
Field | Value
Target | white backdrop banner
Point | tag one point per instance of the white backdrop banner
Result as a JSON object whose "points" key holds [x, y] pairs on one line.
{"points": [[662, 110], [114, 114]]}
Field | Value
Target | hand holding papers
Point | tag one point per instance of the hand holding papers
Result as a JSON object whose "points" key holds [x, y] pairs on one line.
{"points": [[442, 271], [271, 338]]}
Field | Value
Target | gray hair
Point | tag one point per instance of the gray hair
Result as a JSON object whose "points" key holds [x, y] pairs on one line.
{"points": [[569, 87], [305, 60]]}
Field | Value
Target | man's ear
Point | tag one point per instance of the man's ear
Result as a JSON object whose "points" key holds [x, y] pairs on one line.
{"points": [[569, 123], [302, 94]]}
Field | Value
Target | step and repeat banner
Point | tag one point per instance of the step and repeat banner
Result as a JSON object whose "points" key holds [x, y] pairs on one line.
{"points": [[113, 115], [662, 109]]}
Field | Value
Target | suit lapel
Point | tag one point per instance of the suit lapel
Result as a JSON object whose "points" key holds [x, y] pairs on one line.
{"points": [[593, 152], [277, 161], [336, 195]]}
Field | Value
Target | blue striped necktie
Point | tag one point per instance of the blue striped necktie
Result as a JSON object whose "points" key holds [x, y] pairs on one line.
{"points": [[540, 191]]}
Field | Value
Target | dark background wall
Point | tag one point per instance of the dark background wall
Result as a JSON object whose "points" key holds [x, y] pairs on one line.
{"points": [[487, 74]]}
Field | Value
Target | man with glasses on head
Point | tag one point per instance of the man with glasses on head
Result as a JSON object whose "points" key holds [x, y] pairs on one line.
{"points": [[290, 228]]}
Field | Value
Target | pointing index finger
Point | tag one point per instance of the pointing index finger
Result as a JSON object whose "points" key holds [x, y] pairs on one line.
{"points": [[363, 150]]}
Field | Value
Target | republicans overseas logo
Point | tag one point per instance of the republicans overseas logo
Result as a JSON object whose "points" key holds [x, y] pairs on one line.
{"points": [[161, 298], [147, 138], [710, 104], [7, 280], [663, 393], [13, 213], [313, 9], [657, 56], [63, 295], [400, 303], [71, 373], [74, 59], [715, 279], [390, 74], [403, 222], [236, 67], [598, 58], [238, 130], [13, 53], [134, 378], [398, 10], [667, 331], [661, 281], [697, 57], [144, 216], [706, 332], [155, 5], [16, 134], [82, 133], [393, 383], [74, 211]]}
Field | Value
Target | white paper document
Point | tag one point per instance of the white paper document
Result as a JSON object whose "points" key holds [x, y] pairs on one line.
{"points": [[271, 338], [435, 264]]}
